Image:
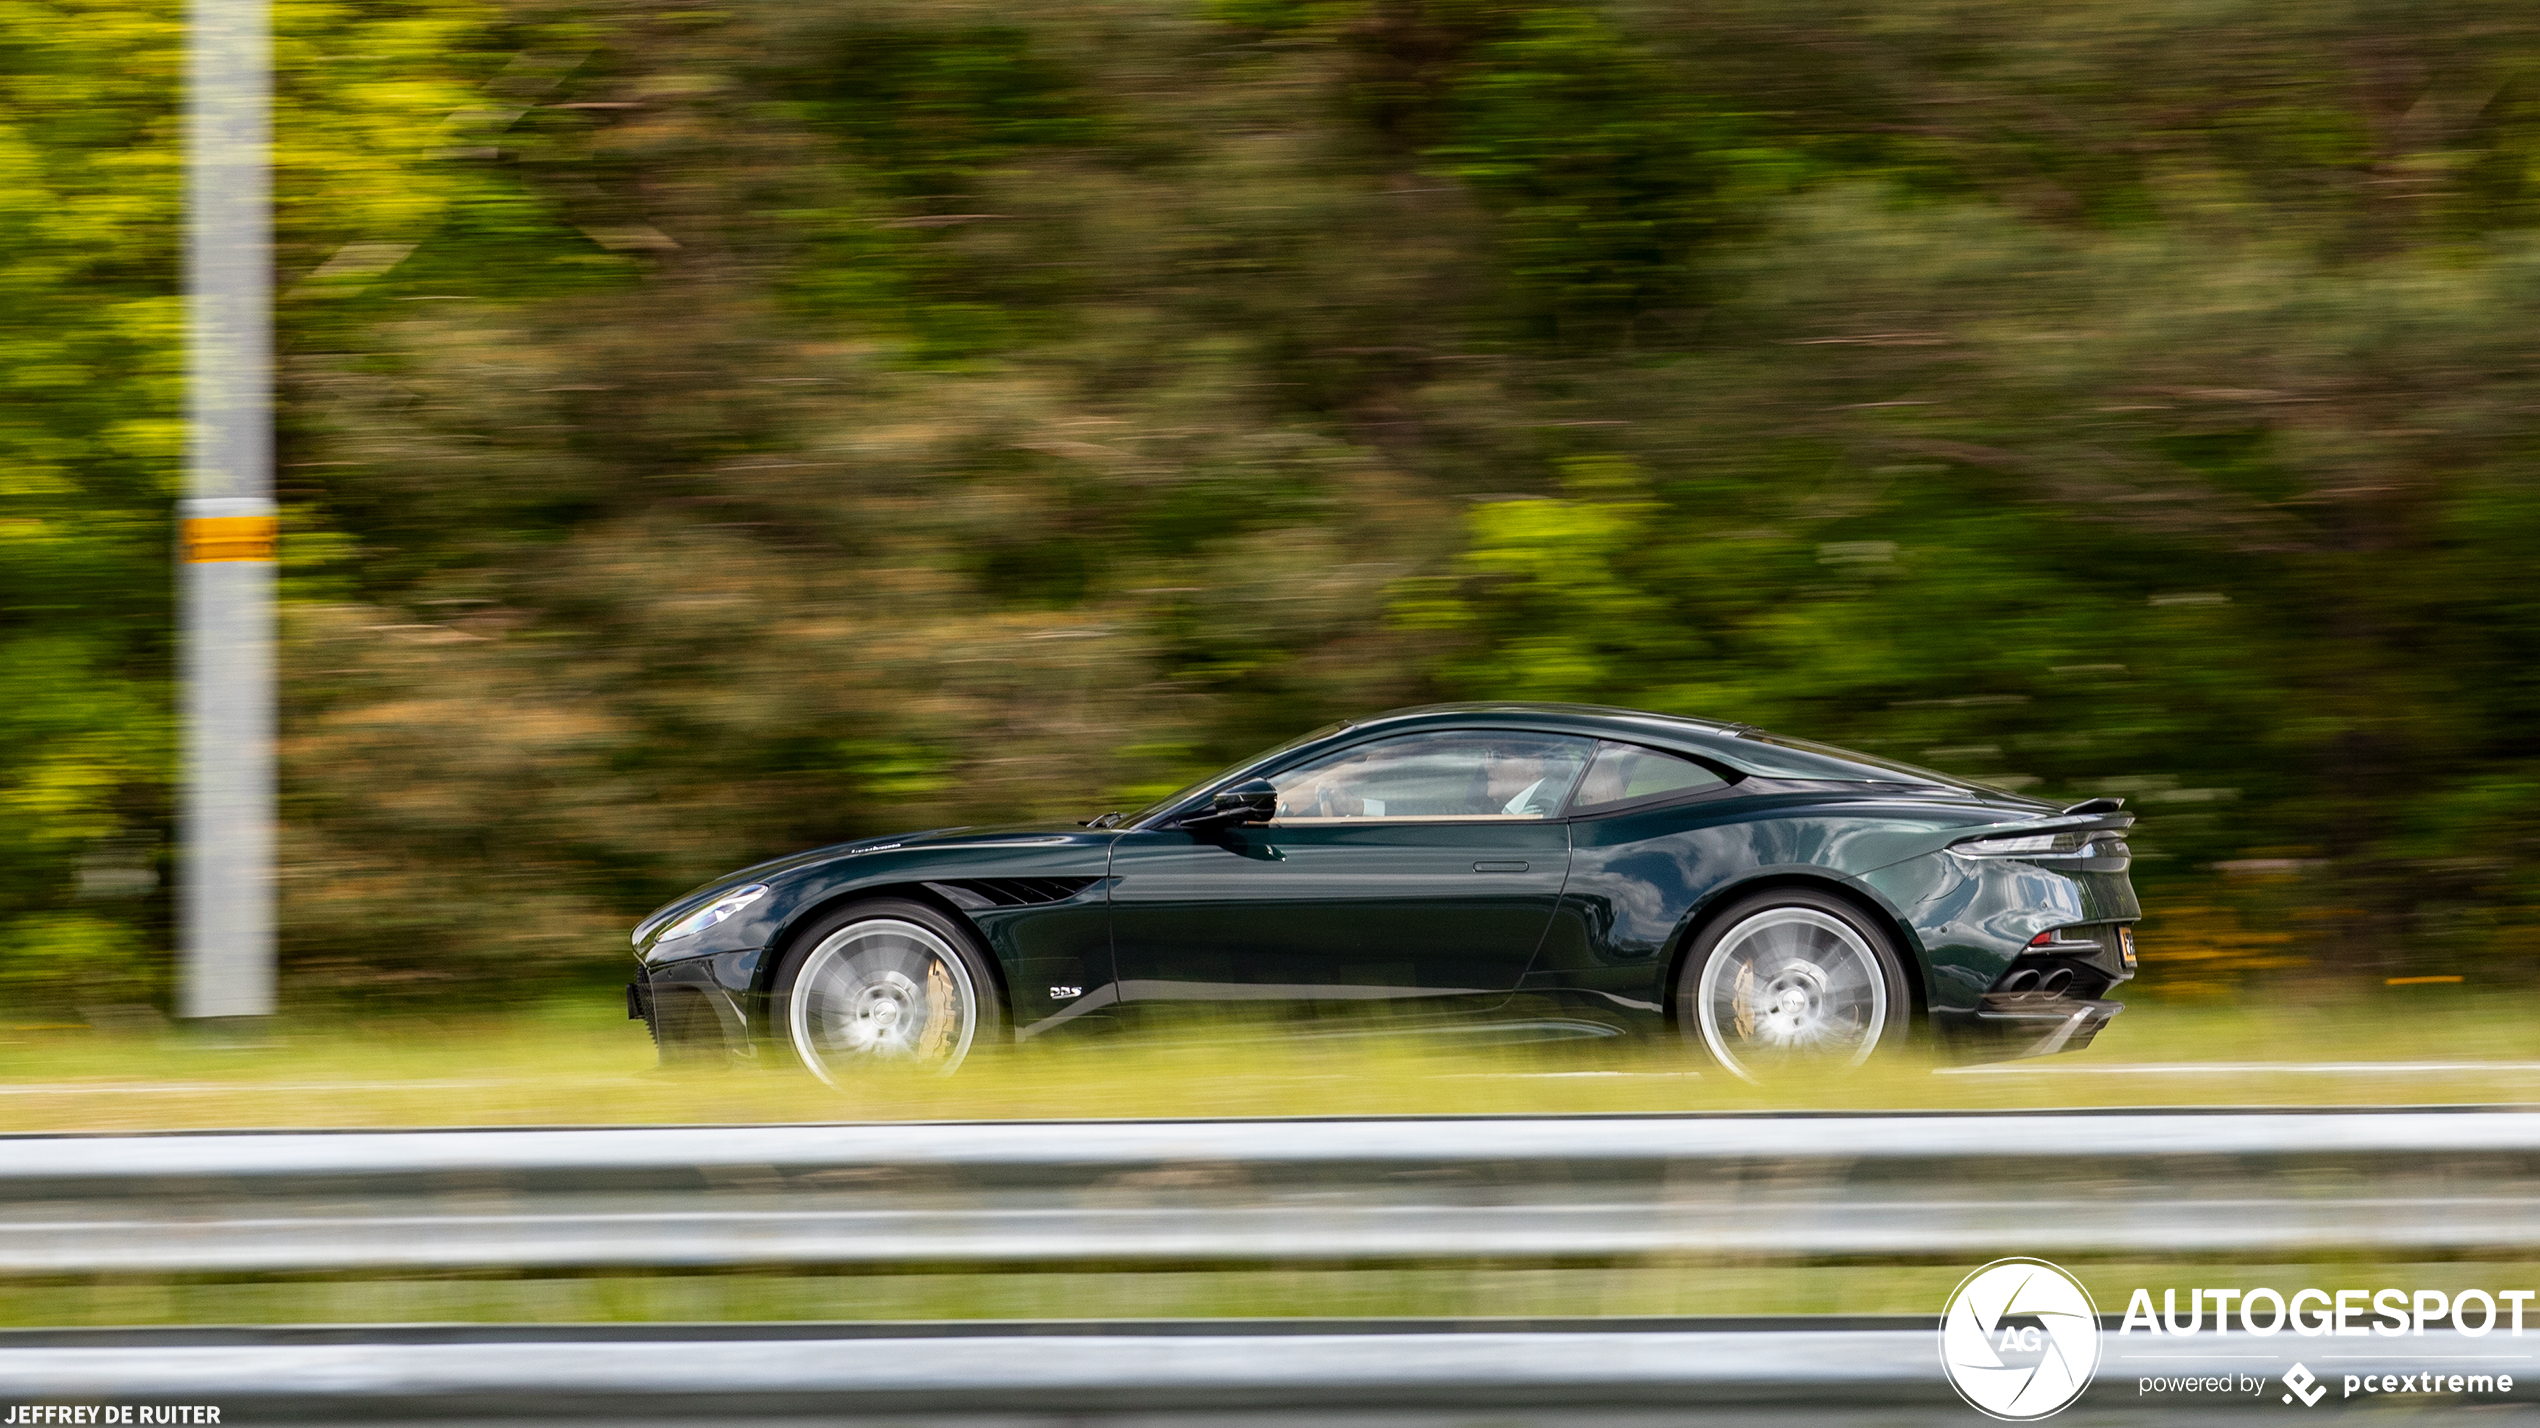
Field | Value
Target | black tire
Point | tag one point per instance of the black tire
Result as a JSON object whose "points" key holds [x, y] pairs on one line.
{"points": [[854, 983], [1791, 978]]}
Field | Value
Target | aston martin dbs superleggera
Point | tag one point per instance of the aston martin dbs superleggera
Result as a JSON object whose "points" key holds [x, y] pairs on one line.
{"points": [[1534, 870]]}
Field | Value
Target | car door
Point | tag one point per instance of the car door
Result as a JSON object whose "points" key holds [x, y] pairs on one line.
{"points": [[1420, 869]]}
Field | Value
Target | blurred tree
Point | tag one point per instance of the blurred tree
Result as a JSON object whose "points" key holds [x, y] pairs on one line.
{"points": [[88, 441], [716, 431]]}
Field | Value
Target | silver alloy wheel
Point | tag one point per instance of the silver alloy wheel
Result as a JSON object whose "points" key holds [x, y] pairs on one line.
{"points": [[882, 990], [1791, 985]]}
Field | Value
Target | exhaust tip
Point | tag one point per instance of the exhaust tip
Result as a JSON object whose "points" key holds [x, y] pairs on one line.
{"points": [[2054, 983]]}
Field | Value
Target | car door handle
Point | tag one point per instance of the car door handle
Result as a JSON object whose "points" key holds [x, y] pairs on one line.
{"points": [[1499, 867]]}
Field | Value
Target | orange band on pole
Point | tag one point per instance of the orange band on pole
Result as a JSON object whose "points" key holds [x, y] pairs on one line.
{"points": [[216, 538]]}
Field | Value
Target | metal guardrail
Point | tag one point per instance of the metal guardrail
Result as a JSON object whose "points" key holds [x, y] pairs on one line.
{"points": [[1947, 1187], [1699, 1371]]}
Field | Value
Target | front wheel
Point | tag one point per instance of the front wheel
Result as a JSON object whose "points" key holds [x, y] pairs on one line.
{"points": [[1793, 980], [886, 983]]}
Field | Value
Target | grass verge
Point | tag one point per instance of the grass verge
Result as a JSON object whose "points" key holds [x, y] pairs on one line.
{"points": [[1686, 1287], [580, 1064]]}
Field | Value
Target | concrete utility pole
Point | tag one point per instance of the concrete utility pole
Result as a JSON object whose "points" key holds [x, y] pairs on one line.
{"points": [[226, 529]]}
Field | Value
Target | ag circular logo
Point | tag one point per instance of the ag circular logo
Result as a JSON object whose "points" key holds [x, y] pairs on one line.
{"points": [[2020, 1339]]}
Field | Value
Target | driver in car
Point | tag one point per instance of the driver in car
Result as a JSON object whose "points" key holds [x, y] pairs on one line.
{"points": [[1519, 783]]}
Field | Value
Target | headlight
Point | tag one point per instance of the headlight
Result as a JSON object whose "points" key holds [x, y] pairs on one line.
{"points": [[714, 912]]}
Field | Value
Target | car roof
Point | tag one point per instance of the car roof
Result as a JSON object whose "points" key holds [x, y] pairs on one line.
{"points": [[1591, 715], [1709, 737], [1739, 746]]}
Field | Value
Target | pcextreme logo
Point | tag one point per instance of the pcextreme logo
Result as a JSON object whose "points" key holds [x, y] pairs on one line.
{"points": [[2306, 1386], [2019, 1340]]}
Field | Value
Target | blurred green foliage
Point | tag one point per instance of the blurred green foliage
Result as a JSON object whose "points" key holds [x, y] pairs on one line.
{"points": [[709, 432]]}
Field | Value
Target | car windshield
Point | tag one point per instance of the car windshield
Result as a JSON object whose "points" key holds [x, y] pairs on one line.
{"points": [[1178, 795]]}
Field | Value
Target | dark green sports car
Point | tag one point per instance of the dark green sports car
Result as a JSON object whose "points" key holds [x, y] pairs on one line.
{"points": [[1526, 869]]}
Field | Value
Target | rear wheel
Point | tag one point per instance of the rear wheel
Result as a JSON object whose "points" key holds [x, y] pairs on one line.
{"points": [[1793, 981], [885, 983]]}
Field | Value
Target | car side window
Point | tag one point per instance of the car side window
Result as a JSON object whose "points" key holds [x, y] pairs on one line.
{"points": [[1628, 773], [1457, 774]]}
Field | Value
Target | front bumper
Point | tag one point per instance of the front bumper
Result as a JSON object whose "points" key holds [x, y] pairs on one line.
{"points": [[692, 1012]]}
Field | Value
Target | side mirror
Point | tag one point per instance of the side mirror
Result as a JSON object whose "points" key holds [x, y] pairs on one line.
{"points": [[1252, 801]]}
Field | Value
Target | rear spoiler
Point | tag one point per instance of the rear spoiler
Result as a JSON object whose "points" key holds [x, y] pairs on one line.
{"points": [[2093, 815]]}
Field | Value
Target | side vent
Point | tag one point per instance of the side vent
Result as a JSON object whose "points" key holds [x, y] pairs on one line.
{"points": [[974, 894]]}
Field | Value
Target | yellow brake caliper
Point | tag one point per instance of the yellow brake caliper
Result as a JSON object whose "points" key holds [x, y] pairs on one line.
{"points": [[942, 1010]]}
